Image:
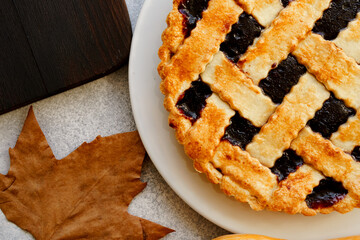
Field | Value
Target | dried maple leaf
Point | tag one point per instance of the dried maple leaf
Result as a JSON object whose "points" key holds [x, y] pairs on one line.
{"points": [[83, 196]]}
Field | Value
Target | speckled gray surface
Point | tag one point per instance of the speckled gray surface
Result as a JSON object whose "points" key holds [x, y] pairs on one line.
{"points": [[102, 107]]}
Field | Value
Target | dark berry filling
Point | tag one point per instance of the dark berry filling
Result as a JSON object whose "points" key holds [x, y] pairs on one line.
{"points": [[326, 194], [356, 153], [240, 132], [192, 12], [193, 100], [286, 2], [242, 35], [288, 163], [329, 118], [281, 79], [336, 18]]}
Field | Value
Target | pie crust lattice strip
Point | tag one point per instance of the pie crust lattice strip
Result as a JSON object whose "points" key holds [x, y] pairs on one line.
{"points": [[264, 96]]}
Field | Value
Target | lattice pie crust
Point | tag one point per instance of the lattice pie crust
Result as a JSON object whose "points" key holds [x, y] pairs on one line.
{"points": [[292, 149]]}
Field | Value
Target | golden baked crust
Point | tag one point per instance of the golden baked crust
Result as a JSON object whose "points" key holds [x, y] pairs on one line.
{"points": [[348, 135], [284, 34], [349, 39], [264, 11], [331, 161], [239, 170], [246, 172], [332, 67], [192, 56], [239, 91], [297, 108], [291, 192], [172, 37]]}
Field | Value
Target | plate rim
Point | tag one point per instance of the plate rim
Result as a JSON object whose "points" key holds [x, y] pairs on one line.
{"points": [[132, 86]]}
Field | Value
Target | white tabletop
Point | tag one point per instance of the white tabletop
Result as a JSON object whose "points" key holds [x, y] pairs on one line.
{"points": [[102, 107]]}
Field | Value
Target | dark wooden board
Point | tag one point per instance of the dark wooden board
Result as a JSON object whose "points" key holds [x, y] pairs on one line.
{"points": [[18, 67], [48, 46]]}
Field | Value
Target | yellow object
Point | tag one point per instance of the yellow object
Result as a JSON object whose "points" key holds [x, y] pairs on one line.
{"points": [[245, 237], [348, 238], [261, 237]]}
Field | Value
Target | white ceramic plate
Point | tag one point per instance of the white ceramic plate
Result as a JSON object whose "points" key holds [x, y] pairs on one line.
{"points": [[169, 158]]}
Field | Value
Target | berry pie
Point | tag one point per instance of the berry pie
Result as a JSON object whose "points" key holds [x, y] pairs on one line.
{"points": [[265, 98]]}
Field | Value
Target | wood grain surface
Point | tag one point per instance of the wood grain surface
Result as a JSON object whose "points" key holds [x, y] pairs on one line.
{"points": [[48, 46]]}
